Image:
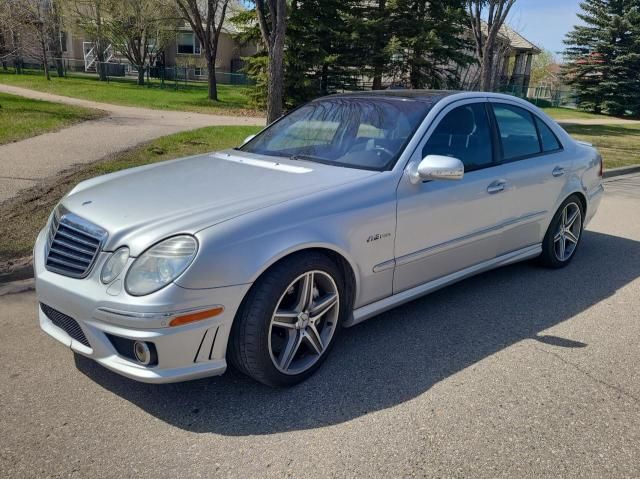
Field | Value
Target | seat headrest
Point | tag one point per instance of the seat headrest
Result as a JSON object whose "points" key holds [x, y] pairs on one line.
{"points": [[460, 121]]}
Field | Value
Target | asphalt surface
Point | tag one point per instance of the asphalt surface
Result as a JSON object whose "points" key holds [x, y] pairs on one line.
{"points": [[24, 163], [519, 372]]}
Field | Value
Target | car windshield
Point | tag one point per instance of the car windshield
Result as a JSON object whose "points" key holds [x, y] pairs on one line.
{"points": [[358, 132]]}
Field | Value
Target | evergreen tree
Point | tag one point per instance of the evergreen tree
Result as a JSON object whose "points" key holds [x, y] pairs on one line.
{"points": [[603, 56], [429, 45], [317, 56]]}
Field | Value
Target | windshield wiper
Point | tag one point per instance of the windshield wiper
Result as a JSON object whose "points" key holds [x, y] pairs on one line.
{"points": [[308, 158]]}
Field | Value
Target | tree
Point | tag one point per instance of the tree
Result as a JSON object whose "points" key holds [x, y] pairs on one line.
{"points": [[31, 27], [140, 29], [603, 56], [540, 66], [485, 27], [90, 18], [56, 16], [376, 25], [428, 47], [272, 18], [318, 53], [206, 18]]}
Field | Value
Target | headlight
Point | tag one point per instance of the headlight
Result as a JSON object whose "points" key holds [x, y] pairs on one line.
{"points": [[160, 265], [114, 265]]}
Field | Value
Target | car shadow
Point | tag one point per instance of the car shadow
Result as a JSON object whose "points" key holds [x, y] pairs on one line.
{"points": [[399, 354]]}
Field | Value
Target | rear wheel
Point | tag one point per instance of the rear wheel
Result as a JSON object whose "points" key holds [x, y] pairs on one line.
{"points": [[564, 234], [289, 320]]}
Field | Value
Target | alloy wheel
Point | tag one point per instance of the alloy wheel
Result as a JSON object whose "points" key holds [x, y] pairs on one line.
{"points": [[568, 232], [304, 322]]}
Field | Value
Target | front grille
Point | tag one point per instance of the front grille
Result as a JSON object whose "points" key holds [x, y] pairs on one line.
{"points": [[73, 244], [66, 323]]}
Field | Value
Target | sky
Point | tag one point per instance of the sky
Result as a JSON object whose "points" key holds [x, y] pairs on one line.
{"points": [[545, 22]]}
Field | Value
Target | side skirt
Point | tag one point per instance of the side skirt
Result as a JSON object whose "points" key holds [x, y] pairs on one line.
{"points": [[365, 312]]}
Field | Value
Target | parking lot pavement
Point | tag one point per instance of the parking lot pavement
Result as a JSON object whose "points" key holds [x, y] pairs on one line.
{"points": [[519, 372]]}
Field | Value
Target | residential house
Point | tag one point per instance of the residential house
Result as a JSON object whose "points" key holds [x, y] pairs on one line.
{"points": [[513, 68]]}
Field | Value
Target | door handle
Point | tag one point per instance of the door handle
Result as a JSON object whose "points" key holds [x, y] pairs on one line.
{"points": [[558, 171], [496, 187]]}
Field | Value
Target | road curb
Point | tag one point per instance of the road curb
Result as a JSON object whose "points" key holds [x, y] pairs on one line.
{"points": [[16, 287], [623, 170], [16, 270]]}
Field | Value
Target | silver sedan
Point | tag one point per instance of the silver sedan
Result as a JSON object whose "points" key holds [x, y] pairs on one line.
{"points": [[344, 208]]}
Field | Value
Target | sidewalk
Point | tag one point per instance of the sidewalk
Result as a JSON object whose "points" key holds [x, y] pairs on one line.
{"points": [[24, 163]]}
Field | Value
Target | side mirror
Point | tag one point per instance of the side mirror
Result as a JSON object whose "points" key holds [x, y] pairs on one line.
{"points": [[248, 139], [437, 167]]}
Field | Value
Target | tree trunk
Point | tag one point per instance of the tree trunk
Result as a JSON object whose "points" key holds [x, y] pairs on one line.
{"points": [[275, 72], [276, 80], [487, 68], [141, 71], [377, 78], [60, 67], [324, 80], [213, 84], [45, 56]]}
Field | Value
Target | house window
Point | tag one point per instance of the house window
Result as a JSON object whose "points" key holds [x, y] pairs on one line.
{"points": [[188, 44]]}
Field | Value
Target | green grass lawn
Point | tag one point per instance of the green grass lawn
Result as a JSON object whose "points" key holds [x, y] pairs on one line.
{"points": [[193, 97], [22, 118], [618, 144], [26, 214], [572, 114]]}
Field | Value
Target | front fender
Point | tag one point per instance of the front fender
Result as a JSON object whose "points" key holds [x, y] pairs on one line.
{"points": [[342, 220]]}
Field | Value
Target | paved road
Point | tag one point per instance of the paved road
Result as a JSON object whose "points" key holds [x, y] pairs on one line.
{"points": [[520, 372], [25, 162]]}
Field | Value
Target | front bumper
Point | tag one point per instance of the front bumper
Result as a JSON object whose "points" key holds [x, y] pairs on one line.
{"points": [[185, 352]]}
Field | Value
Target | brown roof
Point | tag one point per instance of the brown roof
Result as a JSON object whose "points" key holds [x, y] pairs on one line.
{"points": [[518, 41]]}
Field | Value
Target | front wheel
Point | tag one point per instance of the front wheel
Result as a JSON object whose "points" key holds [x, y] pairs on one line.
{"points": [[289, 320], [564, 234]]}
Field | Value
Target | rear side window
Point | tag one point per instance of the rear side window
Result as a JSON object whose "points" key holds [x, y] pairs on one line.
{"points": [[518, 132], [547, 138], [464, 134]]}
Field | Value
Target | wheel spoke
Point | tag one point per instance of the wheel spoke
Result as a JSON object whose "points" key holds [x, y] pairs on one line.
{"points": [[314, 339], [558, 236], [324, 305], [285, 318], [573, 218], [571, 237], [305, 292], [564, 217], [290, 350], [563, 246]]}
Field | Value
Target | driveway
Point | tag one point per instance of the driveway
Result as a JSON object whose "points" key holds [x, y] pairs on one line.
{"points": [[24, 163], [519, 372]]}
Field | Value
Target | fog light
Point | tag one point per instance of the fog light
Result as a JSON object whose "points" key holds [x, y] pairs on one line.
{"points": [[142, 352]]}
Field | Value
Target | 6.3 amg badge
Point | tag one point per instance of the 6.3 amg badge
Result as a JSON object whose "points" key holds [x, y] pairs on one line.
{"points": [[377, 236]]}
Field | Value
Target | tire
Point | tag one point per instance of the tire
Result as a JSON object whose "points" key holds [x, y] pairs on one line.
{"points": [[262, 344], [557, 235]]}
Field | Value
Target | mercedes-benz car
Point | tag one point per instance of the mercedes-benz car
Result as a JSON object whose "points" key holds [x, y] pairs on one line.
{"points": [[346, 207]]}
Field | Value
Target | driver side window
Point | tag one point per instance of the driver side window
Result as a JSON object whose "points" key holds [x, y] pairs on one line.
{"points": [[464, 133]]}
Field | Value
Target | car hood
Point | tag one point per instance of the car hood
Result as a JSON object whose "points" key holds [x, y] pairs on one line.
{"points": [[140, 206]]}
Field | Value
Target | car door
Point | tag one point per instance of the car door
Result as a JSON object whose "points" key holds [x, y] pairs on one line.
{"points": [[535, 168], [446, 226]]}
